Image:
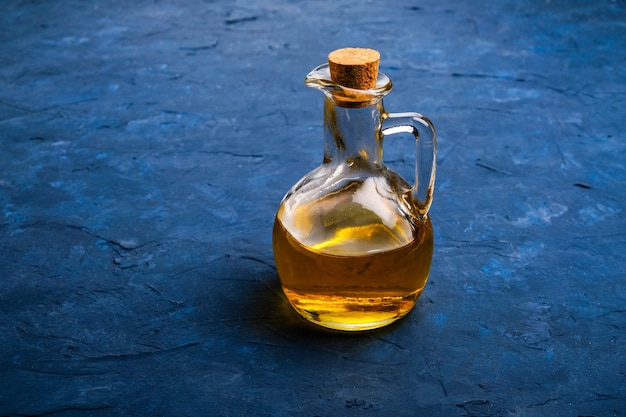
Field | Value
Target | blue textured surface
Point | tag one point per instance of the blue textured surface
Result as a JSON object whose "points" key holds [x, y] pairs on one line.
{"points": [[145, 146]]}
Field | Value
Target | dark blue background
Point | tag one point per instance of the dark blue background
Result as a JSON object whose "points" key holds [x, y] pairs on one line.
{"points": [[145, 146]]}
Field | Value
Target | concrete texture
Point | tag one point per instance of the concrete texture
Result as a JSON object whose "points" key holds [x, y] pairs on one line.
{"points": [[145, 146]]}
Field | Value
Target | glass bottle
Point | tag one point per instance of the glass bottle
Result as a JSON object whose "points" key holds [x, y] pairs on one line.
{"points": [[352, 239]]}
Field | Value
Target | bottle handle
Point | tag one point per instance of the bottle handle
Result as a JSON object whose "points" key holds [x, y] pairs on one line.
{"points": [[425, 155]]}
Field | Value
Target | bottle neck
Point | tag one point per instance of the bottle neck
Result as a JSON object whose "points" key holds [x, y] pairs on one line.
{"points": [[353, 135]]}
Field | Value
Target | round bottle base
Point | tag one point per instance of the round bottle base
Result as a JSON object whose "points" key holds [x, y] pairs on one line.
{"points": [[351, 313]]}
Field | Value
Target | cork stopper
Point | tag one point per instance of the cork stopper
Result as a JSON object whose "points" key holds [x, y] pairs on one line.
{"points": [[354, 67]]}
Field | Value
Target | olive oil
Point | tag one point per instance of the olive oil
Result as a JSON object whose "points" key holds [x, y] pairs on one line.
{"points": [[356, 291]]}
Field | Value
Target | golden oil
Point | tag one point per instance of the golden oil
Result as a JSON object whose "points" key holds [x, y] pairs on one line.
{"points": [[341, 283]]}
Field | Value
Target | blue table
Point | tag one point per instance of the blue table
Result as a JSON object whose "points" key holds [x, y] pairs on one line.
{"points": [[145, 147]]}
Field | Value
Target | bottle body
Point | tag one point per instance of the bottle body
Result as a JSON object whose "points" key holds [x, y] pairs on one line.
{"points": [[351, 257]]}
